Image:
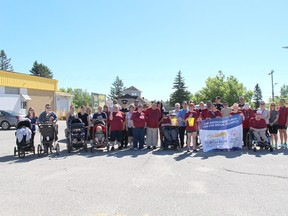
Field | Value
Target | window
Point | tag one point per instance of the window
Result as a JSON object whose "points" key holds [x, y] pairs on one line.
{"points": [[12, 90], [23, 105]]}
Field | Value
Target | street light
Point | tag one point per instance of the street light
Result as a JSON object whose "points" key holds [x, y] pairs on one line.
{"points": [[272, 71]]}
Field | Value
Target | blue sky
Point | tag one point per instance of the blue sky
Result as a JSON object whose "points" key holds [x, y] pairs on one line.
{"points": [[88, 43]]}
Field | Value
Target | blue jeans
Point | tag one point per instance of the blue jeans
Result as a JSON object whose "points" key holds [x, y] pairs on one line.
{"points": [[138, 136]]}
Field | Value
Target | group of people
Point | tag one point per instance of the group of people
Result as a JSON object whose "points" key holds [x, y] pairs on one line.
{"points": [[129, 125]]}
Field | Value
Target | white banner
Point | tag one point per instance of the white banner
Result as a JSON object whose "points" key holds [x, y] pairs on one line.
{"points": [[221, 133]]}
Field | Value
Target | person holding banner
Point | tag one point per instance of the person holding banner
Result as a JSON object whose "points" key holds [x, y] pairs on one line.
{"points": [[191, 119], [213, 113], [248, 114], [236, 110]]}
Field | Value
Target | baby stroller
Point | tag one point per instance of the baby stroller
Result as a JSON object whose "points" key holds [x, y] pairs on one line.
{"points": [[47, 139], [105, 143], [24, 139], [170, 137], [252, 142], [76, 135]]}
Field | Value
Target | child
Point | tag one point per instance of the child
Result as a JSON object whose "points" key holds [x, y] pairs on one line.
{"points": [[99, 135]]}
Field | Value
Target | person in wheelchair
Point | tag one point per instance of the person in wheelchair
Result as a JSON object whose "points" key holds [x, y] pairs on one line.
{"points": [[258, 127]]}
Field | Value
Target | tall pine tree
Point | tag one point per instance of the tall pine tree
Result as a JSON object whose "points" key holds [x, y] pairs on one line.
{"points": [[41, 70], [5, 62], [257, 96], [117, 89], [180, 94]]}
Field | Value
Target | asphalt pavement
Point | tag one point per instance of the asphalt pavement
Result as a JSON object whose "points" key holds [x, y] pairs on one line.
{"points": [[144, 183]]}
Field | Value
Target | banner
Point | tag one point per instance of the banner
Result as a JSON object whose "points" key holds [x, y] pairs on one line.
{"points": [[221, 133], [97, 100]]}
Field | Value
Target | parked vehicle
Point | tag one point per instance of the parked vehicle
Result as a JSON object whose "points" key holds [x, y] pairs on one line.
{"points": [[9, 119]]}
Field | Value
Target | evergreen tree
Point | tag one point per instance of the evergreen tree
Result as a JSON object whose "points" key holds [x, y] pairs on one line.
{"points": [[180, 94], [284, 91], [117, 89], [5, 62], [257, 96], [41, 70]]}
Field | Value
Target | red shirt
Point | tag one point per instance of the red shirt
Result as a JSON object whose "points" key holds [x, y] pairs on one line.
{"points": [[204, 113], [211, 114], [258, 124], [233, 113], [195, 115], [117, 122], [248, 115], [283, 113], [152, 117], [138, 119]]}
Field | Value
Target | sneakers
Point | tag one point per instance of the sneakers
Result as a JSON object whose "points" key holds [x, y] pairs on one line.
{"points": [[154, 147], [120, 148], [112, 149], [148, 147], [195, 150], [135, 149]]}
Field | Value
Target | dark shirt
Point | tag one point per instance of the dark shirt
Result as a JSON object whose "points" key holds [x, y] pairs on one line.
{"points": [[84, 118]]}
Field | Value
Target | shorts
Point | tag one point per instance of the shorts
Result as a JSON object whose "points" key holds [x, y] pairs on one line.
{"points": [[282, 127], [116, 135], [190, 131], [130, 132], [273, 129]]}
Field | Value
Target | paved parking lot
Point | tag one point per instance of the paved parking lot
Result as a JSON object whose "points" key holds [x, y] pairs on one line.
{"points": [[142, 183]]}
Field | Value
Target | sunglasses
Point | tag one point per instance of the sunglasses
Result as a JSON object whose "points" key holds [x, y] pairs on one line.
{"points": [[272, 105]]}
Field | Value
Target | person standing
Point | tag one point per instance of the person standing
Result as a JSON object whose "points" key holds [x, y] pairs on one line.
{"points": [[152, 114], [124, 110], [283, 122], [265, 113], [241, 103], [33, 119], [218, 103], [191, 119], [83, 115], [181, 121], [128, 125], [248, 114], [116, 120], [51, 117], [139, 124], [273, 124], [213, 113], [225, 110]]}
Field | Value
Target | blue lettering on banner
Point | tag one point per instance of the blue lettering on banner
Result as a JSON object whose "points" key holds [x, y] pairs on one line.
{"points": [[221, 123]]}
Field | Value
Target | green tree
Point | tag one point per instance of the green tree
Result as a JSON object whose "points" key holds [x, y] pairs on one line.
{"points": [[257, 96], [41, 70], [117, 89], [81, 97], [284, 91], [228, 88], [180, 94], [5, 62]]}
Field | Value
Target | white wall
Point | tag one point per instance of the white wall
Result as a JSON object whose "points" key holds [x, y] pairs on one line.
{"points": [[10, 102], [2, 89]]}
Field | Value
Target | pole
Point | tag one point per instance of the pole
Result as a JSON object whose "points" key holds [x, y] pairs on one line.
{"points": [[272, 71]]}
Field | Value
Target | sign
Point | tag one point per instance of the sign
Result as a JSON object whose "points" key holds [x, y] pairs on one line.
{"points": [[97, 100], [221, 133]]}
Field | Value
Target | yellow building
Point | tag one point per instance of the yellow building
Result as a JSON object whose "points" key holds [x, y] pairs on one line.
{"points": [[19, 91]]}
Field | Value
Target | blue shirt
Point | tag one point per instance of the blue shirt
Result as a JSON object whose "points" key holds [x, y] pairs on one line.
{"points": [[182, 115], [45, 117]]}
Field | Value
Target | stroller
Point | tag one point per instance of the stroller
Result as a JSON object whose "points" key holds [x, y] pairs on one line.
{"points": [[24, 139], [47, 139], [170, 137], [76, 135], [252, 142], [103, 144]]}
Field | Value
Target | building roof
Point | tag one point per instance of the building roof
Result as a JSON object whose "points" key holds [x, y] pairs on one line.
{"points": [[64, 94], [133, 89], [19, 80]]}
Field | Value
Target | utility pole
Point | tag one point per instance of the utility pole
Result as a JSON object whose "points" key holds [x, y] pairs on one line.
{"points": [[272, 71]]}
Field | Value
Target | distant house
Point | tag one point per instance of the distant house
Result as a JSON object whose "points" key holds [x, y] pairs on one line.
{"points": [[131, 94]]}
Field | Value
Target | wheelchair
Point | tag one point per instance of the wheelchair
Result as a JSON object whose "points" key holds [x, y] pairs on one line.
{"points": [[253, 143]]}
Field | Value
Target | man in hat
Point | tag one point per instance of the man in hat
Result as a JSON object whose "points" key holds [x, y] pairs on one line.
{"points": [[124, 110]]}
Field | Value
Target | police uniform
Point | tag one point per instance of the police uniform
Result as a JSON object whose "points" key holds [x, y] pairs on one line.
{"points": [[124, 109]]}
